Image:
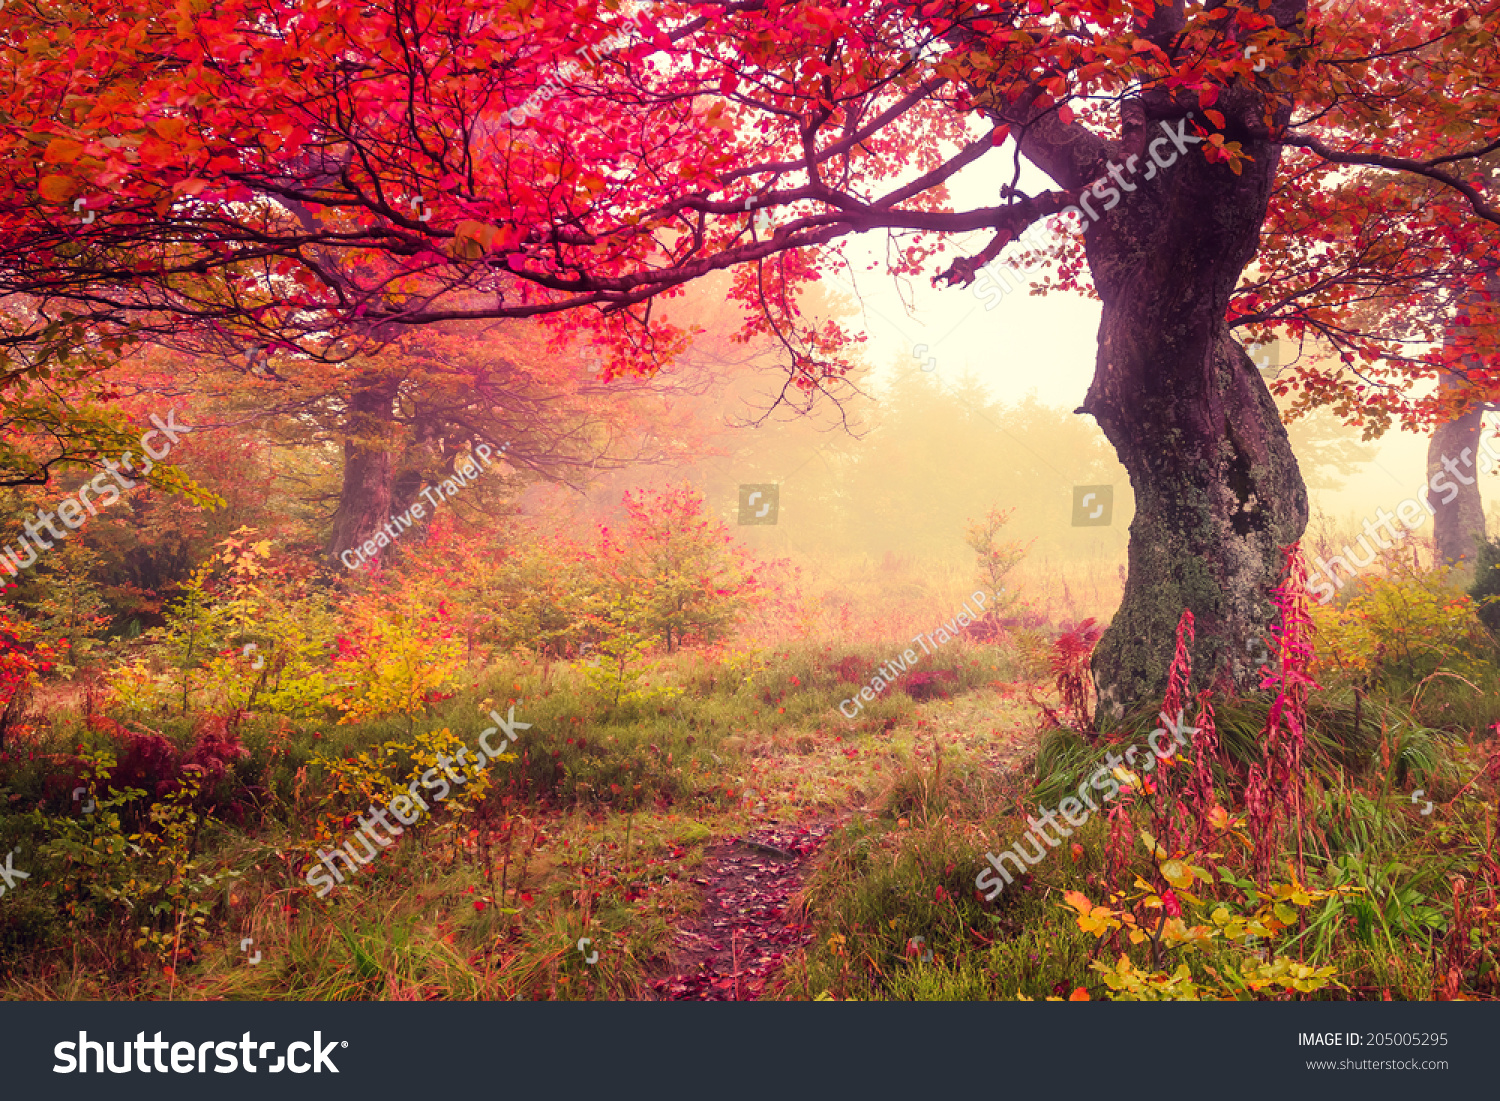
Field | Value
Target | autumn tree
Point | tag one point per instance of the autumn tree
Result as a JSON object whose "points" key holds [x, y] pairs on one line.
{"points": [[1471, 328], [411, 413], [1459, 314], [677, 570], [316, 177]]}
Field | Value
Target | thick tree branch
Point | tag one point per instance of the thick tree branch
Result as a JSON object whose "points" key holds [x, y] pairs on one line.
{"points": [[1400, 164]]}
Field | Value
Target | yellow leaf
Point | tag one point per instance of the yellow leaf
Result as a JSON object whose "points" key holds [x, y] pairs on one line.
{"points": [[1177, 874]]}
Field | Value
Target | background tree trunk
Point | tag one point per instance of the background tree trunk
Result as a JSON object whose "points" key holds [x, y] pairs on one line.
{"points": [[1217, 488], [366, 497], [14, 710], [1457, 523]]}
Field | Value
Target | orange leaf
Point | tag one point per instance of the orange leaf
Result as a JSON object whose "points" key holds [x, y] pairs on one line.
{"points": [[1079, 901], [1079, 995], [57, 189], [479, 231], [170, 129], [63, 151]]}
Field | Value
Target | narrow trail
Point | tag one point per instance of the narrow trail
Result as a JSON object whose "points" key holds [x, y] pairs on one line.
{"points": [[735, 945]]}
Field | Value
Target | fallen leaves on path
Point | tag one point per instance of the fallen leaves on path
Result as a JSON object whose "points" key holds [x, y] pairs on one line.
{"points": [[736, 943]]}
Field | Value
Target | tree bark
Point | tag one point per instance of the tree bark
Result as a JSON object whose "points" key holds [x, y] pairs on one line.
{"points": [[1217, 488], [366, 496], [370, 488], [1457, 519]]}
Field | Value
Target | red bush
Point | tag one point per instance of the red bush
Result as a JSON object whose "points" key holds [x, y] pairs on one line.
{"points": [[215, 750], [928, 686], [1069, 663], [149, 762], [854, 669]]}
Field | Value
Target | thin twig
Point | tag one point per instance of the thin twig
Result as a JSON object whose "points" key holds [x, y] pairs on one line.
{"points": [[734, 946]]}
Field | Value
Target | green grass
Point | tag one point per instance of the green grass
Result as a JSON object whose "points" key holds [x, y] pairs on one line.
{"points": [[599, 826], [1387, 934]]}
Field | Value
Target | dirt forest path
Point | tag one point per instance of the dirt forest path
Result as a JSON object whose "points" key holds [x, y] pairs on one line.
{"points": [[734, 946]]}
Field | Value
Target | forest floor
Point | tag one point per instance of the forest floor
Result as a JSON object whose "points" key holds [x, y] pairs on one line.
{"points": [[739, 841], [692, 889], [749, 919], [754, 913]]}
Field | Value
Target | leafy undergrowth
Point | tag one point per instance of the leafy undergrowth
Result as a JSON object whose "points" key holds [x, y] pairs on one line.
{"points": [[189, 881], [1329, 841], [1315, 841]]}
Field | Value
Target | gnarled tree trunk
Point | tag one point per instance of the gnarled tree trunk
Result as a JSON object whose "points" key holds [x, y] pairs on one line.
{"points": [[1217, 488]]}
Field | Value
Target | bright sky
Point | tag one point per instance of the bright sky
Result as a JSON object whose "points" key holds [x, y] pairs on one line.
{"points": [[1047, 345]]}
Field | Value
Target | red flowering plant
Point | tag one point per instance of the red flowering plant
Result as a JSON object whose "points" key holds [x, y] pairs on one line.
{"points": [[1273, 795], [1184, 904], [1069, 665]]}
